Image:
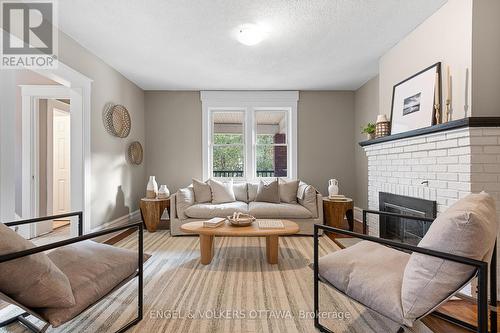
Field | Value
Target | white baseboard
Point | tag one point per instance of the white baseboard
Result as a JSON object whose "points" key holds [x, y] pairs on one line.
{"points": [[358, 214], [131, 217]]}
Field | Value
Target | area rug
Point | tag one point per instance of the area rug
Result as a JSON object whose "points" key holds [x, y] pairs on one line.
{"points": [[238, 292]]}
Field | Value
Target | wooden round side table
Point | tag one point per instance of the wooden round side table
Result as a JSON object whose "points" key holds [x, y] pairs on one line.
{"points": [[151, 211], [335, 211]]}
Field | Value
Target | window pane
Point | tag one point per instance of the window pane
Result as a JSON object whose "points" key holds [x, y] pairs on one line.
{"points": [[272, 161], [271, 125], [265, 139], [228, 161]]}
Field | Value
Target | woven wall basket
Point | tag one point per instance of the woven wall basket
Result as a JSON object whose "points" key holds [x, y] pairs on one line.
{"points": [[117, 120], [135, 153]]}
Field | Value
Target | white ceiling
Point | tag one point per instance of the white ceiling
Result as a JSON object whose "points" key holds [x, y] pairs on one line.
{"points": [[189, 44]]}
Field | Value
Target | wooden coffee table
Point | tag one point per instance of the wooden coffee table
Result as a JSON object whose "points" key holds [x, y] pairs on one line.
{"points": [[227, 230]]}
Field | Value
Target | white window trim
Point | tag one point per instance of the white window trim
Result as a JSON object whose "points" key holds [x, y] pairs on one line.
{"points": [[249, 101]]}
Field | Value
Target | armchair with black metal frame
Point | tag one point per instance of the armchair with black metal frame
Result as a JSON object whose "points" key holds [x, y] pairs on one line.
{"points": [[481, 268], [39, 249]]}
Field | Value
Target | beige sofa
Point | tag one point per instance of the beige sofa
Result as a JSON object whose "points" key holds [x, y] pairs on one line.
{"points": [[306, 212]]}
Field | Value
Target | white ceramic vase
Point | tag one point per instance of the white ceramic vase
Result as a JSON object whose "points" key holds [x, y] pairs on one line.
{"points": [[333, 187], [152, 188], [163, 192]]}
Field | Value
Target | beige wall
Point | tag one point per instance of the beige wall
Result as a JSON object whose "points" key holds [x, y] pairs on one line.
{"points": [[446, 36], [325, 122], [486, 58], [116, 185], [365, 111], [173, 137]]}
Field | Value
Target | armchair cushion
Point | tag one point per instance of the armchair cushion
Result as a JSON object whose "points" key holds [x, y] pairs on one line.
{"points": [[468, 228], [93, 270], [34, 281], [369, 273]]}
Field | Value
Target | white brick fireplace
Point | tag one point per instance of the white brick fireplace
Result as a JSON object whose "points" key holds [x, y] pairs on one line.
{"points": [[443, 167]]}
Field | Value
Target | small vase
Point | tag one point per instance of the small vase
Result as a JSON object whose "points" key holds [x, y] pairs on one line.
{"points": [[152, 188], [163, 192], [370, 136]]}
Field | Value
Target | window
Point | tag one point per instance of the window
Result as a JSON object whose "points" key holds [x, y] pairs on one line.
{"points": [[228, 145], [249, 135], [271, 151]]}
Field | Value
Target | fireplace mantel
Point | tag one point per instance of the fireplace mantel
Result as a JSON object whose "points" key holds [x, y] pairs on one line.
{"points": [[454, 124]]}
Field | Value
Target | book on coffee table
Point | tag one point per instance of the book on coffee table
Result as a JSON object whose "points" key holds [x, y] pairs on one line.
{"points": [[214, 223], [271, 224]]}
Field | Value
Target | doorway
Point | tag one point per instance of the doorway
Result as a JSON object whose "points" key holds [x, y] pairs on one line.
{"points": [[53, 163]]}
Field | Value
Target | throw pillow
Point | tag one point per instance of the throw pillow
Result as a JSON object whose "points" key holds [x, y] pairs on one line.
{"points": [[221, 192], [252, 191], [240, 192], [468, 228], [268, 192], [202, 192], [288, 190], [184, 199], [34, 281]]}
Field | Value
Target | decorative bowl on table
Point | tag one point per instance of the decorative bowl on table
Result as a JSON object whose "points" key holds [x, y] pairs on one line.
{"points": [[241, 220]]}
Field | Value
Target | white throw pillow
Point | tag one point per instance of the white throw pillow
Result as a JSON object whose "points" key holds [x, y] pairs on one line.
{"points": [[240, 192], [221, 192]]}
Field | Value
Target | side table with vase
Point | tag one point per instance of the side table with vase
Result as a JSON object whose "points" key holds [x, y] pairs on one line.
{"points": [[335, 210], [152, 211]]}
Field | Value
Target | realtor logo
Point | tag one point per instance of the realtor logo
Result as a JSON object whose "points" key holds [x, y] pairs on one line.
{"points": [[29, 34]]}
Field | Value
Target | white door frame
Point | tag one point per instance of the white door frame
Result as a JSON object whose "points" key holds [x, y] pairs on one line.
{"points": [[77, 88]]}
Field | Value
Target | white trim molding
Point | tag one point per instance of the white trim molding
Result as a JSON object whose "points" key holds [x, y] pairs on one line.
{"points": [[250, 102]]}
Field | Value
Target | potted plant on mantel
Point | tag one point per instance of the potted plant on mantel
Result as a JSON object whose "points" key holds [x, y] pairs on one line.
{"points": [[369, 130]]}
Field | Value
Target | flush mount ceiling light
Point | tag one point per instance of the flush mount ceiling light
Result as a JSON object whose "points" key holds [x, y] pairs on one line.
{"points": [[250, 34]]}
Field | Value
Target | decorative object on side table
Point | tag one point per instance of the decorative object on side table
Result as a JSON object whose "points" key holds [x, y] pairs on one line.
{"points": [[163, 192], [334, 212], [333, 187], [383, 126], [152, 211], [135, 153], [369, 130], [116, 120], [152, 188], [414, 101]]}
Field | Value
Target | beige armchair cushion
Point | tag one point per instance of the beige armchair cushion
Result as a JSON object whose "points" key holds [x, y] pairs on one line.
{"points": [[369, 273], [34, 281], [202, 192], [208, 211], [183, 200], [94, 270], [468, 228]]}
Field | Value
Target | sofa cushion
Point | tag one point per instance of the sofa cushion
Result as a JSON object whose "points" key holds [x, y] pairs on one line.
{"points": [[240, 191], [468, 228], [184, 199], [288, 190], [208, 211], [34, 281], [93, 269], [202, 192], [371, 274], [221, 192], [268, 192], [252, 191], [267, 210], [308, 198]]}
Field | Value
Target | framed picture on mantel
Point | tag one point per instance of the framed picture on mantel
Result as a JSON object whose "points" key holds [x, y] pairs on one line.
{"points": [[414, 99]]}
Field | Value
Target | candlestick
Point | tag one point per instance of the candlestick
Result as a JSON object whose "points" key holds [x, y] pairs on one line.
{"points": [[448, 95], [437, 101], [466, 99]]}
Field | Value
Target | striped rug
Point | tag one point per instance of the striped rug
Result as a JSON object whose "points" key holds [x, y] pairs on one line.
{"points": [[238, 292]]}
